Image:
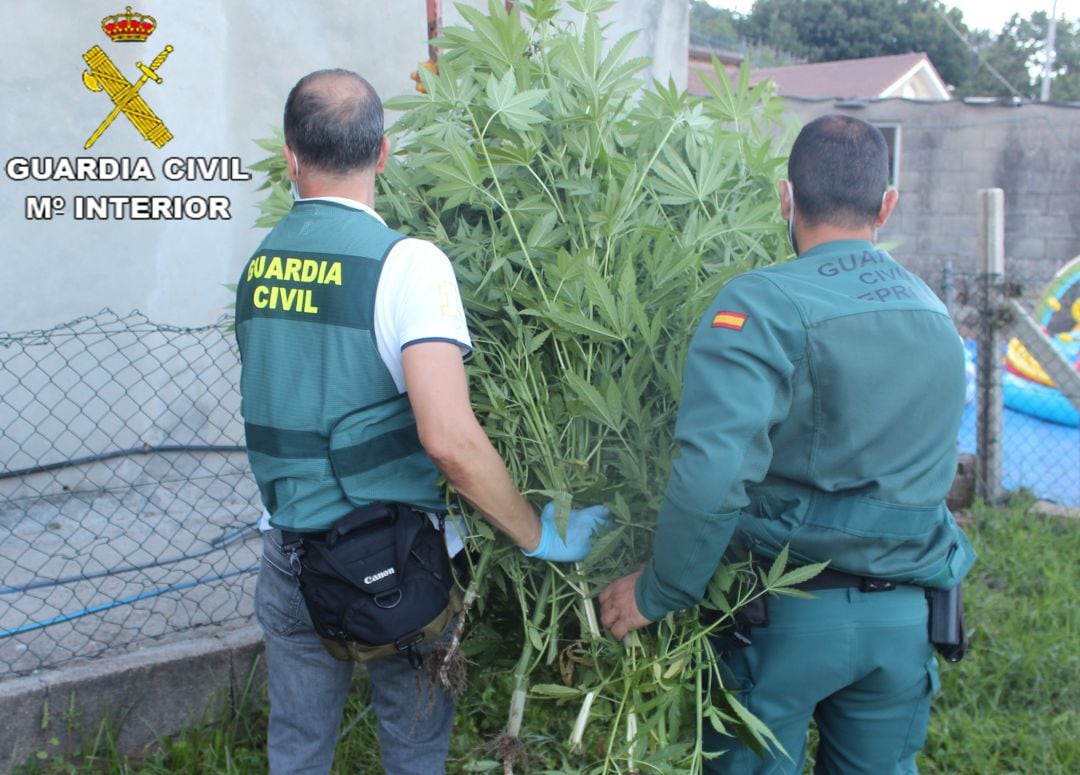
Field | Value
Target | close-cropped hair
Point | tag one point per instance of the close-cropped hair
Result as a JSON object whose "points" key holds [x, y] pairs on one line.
{"points": [[334, 122], [839, 169]]}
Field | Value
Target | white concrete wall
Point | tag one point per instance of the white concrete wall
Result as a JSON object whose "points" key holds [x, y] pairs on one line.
{"points": [[663, 28], [664, 35], [224, 84]]}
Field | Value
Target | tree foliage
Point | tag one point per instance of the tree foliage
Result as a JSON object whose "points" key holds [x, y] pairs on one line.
{"points": [[828, 30], [711, 26], [975, 62], [1018, 53], [722, 29]]}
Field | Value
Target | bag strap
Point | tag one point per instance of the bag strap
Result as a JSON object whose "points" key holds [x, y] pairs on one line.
{"points": [[406, 530], [360, 518]]}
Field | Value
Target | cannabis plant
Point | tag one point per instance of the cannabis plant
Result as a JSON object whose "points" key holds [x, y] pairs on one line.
{"points": [[590, 219]]}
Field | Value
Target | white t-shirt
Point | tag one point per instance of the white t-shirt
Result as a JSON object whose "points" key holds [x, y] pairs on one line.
{"points": [[417, 300]]}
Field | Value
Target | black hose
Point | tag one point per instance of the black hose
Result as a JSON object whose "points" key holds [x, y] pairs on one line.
{"points": [[145, 449]]}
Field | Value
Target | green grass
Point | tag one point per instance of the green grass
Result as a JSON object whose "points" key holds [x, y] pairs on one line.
{"points": [[1012, 706]]}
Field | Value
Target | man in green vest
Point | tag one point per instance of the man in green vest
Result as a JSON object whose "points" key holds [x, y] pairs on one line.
{"points": [[351, 338], [820, 407]]}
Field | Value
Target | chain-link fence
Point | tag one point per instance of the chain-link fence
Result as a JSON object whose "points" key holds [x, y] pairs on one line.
{"points": [[127, 510], [1037, 442]]}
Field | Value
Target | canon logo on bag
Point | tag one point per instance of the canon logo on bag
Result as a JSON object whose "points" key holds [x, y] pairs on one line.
{"points": [[380, 575]]}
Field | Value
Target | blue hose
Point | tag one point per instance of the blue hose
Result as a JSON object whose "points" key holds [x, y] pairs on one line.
{"points": [[125, 601]]}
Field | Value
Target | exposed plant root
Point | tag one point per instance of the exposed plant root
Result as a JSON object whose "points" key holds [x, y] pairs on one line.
{"points": [[446, 667], [443, 671], [509, 749], [451, 672]]}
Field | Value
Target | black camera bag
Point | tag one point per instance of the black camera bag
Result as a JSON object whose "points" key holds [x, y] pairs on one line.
{"points": [[377, 582]]}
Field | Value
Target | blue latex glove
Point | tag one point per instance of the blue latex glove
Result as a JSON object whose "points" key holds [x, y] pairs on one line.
{"points": [[579, 532]]}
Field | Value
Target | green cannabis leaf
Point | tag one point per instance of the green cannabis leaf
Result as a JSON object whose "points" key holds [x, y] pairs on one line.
{"points": [[590, 218]]}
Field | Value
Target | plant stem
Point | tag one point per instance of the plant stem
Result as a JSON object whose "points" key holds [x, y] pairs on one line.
{"points": [[698, 710], [521, 669], [471, 593]]}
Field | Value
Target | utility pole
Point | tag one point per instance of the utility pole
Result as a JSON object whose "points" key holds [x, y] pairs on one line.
{"points": [[1048, 64]]}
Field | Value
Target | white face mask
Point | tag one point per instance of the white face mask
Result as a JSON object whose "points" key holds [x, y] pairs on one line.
{"points": [[791, 218], [883, 195], [292, 183]]}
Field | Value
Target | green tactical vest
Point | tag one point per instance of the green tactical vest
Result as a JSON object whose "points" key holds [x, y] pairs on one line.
{"points": [[327, 429]]}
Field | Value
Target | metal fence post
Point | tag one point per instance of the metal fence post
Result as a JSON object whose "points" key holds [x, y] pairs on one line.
{"points": [[991, 258], [948, 288]]}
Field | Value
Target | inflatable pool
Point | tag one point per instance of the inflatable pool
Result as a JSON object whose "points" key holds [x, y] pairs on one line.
{"points": [[1027, 387], [1037, 400]]}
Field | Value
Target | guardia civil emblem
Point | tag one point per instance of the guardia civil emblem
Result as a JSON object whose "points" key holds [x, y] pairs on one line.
{"points": [[103, 75]]}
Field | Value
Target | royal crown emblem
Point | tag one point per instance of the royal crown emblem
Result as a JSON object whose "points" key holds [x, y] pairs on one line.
{"points": [[129, 26]]}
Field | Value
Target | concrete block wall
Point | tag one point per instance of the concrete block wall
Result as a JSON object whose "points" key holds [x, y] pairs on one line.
{"points": [[950, 150]]}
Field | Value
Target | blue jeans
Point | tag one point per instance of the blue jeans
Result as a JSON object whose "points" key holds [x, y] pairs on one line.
{"points": [[308, 687]]}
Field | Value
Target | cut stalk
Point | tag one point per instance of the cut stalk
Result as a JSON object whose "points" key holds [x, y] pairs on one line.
{"points": [[517, 704], [509, 743], [588, 608], [521, 669], [581, 722], [631, 644]]}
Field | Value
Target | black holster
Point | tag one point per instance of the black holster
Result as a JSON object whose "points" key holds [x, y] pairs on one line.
{"points": [[737, 631], [946, 623], [753, 614]]}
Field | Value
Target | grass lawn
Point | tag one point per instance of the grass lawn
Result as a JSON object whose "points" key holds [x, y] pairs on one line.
{"points": [[1012, 706]]}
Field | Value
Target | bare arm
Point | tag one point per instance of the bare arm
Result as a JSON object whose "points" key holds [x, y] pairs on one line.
{"points": [[450, 434]]}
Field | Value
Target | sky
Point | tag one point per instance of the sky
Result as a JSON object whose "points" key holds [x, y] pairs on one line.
{"points": [[978, 14]]}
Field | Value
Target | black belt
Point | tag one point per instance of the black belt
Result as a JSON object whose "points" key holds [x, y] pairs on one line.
{"points": [[835, 579]]}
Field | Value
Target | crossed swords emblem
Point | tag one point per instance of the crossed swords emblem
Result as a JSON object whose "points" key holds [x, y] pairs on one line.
{"points": [[125, 95]]}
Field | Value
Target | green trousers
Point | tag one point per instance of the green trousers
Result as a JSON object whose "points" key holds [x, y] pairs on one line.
{"points": [[859, 663]]}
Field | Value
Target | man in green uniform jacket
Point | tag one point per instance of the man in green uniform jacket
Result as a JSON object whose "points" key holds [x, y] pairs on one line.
{"points": [[820, 407]]}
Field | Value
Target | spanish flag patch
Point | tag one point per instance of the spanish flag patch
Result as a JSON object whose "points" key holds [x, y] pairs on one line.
{"points": [[733, 320]]}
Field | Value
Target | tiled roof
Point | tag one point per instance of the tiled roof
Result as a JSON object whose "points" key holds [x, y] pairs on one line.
{"points": [[846, 78]]}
